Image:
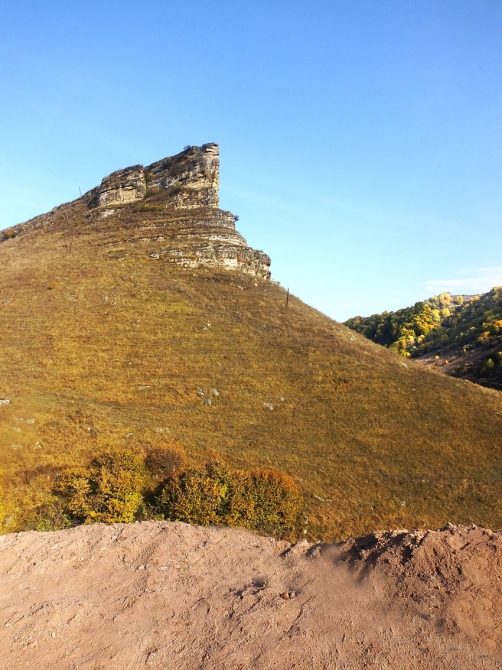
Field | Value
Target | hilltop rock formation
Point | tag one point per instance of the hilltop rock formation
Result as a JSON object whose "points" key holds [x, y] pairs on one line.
{"points": [[168, 595], [168, 210], [192, 179]]}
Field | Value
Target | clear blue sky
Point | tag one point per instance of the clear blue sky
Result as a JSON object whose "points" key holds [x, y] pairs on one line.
{"points": [[361, 140]]}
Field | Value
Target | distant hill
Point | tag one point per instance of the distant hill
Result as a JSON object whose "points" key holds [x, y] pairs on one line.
{"points": [[456, 334], [137, 316]]}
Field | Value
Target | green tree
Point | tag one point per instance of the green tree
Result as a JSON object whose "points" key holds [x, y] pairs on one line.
{"points": [[487, 368]]}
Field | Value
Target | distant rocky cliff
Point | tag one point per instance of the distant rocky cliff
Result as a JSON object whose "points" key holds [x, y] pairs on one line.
{"points": [[168, 210], [191, 179]]}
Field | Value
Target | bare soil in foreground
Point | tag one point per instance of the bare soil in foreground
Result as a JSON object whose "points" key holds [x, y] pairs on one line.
{"points": [[168, 595]]}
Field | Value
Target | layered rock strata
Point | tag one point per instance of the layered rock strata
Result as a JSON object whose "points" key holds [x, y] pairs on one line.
{"points": [[191, 178], [207, 241], [168, 210]]}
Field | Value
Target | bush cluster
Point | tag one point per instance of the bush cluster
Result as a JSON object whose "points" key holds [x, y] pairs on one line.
{"points": [[110, 491], [266, 501], [8, 234], [123, 487]]}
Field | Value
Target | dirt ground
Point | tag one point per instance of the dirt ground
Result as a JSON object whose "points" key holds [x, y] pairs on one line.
{"points": [[168, 595]]}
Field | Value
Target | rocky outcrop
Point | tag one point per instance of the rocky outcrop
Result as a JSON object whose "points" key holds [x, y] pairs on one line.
{"points": [[191, 179], [168, 210], [184, 225], [208, 240], [120, 187]]}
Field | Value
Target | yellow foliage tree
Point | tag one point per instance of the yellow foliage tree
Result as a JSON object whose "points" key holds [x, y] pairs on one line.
{"points": [[110, 492]]}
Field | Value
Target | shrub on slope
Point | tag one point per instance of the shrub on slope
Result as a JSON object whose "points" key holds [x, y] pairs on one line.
{"points": [[109, 492], [265, 501], [117, 488]]}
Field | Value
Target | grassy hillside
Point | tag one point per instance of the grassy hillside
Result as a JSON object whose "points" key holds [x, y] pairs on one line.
{"points": [[459, 335], [104, 347]]}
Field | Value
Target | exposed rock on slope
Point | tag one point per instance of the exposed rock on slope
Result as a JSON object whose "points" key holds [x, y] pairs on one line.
{"points": [[192, 178], [160, 595], [175, 217]]}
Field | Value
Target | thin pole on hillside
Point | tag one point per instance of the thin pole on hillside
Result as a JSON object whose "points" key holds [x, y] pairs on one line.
{"points": [[287, 298]]}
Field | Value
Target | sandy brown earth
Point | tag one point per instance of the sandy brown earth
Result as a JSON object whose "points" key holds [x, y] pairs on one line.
{"points": [[168, 595]]}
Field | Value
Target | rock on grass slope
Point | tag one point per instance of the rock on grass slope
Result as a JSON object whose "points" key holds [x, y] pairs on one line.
{"points": [[171, 596], [125, 312]]}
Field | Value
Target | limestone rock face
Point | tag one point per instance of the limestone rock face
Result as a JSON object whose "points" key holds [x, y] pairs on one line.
{"points": [[121, 187], [187, 181], [191, 179], [168, 210], [193, 176]]}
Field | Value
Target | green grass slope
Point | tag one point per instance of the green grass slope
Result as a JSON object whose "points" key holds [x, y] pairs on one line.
{"points": [[103, 347]]}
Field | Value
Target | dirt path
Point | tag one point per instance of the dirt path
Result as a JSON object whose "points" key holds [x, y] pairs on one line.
{"points": [[162, 595]]}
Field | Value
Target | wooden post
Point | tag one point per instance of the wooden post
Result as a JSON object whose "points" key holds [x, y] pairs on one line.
{"points": [[287, 298]]}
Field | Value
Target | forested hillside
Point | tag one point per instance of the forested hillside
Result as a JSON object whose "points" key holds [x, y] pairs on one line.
{"points": [[460, 334]]}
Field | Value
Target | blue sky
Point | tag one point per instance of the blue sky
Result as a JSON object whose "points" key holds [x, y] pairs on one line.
{"points": [[361, 141]]}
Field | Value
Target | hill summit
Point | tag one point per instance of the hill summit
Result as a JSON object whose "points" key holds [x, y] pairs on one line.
{"points": [[136, 318], [185, 226]]}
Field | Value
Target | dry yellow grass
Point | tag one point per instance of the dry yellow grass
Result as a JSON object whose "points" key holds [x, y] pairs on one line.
{"points": [[103, 346]]}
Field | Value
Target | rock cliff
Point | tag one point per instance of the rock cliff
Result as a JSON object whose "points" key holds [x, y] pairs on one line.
{"points": [[168, 210], [191, 179]]}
